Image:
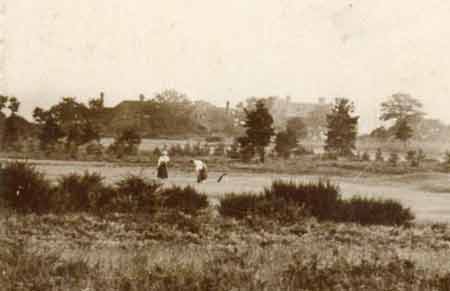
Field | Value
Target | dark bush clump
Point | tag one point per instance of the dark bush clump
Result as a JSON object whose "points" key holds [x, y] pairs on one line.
{"points": [[289, 201], [368, 211], [78, 192], [25, 189], [135, 193], [319, 198], [242, 206], [186, 199]]}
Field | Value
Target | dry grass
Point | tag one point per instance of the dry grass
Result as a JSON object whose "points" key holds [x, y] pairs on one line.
{"points": [[124, 252]]}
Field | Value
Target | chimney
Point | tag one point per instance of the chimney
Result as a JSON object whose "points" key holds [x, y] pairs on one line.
{"points": [[227, 109], [102, 97], [141, 97]]}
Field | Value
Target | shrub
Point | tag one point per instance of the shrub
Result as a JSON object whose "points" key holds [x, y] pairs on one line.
{"points": [[214, 139], [186, 199], [80, 192], [176, 150], [379, 156], [365, 157], [127, 143], [320, 198], [25, 189], [447, 161], [95, 149], [219, 150], [135, 193], [283, 201], [241, 206], [393, 159], [157, 152], [368, 211]]}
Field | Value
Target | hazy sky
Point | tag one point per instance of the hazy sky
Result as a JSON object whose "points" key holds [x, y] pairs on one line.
{"points": [[365, 50]]}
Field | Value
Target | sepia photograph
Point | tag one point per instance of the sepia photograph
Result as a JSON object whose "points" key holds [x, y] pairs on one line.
{"points": [[224, 145]]}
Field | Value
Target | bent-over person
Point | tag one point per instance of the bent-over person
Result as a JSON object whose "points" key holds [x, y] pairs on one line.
{"points": [[201, 170]]}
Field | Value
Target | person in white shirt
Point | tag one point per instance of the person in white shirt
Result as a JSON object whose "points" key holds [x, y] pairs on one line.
{"points": [[162, 168], [201, 170]]}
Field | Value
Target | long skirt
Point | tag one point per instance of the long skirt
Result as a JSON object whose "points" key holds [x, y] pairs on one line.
{"points": [[202, 175], [162, 171]]}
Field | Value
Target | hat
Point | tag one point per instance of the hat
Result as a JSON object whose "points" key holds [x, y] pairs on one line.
{"points": [[165, 153]]}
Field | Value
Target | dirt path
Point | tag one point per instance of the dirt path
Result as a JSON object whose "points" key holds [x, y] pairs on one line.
{"points": [[428, 194]]}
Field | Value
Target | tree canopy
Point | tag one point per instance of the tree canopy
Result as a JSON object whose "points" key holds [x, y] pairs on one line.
{"points": [[342, 128]]}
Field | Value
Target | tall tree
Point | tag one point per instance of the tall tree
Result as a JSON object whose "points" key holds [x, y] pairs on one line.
{"points": [[401, 106], [68, 119], [342, 128], [259, 128], [403, 131], [405, 111]]}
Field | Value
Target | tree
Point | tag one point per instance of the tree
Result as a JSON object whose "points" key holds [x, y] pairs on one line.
{"points": [[14, 125], [259, 128], [50, 132], [70, 120], [297, 126], [404, 111], [285, 142], [403, 131], [14, 105], [127, 143], [342, 128], [401, 106], [380, 133]]}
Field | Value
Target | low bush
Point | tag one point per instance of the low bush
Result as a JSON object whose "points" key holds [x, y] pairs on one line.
{"points": [[135, 193], [25, 189], [367, 211], [320, 198], [186, 199], [241, 206], [290, 201], [79, 192]]}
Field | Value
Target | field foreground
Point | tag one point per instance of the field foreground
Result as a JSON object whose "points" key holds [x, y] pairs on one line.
{"points": [[178, 252]]}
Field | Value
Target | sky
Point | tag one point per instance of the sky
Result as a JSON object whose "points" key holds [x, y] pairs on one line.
{"points": [[364, 50]]}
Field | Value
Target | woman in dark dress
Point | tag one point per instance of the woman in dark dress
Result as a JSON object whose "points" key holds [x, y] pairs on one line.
{"points": [[162, 170]]}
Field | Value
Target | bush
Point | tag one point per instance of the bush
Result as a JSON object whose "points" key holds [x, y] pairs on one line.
{"points": [[365, 157], [80, 192], [186, 199], [245, 205], [25, 189], [368, 211], [127, 143], [379, 156], [320, 198], [135, 193], [393, 159], [214, 139], [95, 149], [289, 201]]}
